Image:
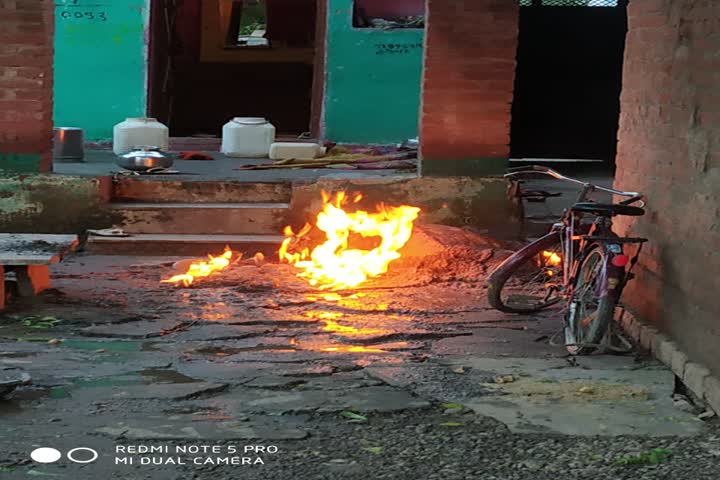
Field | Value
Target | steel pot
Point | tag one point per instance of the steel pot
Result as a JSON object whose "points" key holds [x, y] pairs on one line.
{"points": [[144, 158], [68, 144]]}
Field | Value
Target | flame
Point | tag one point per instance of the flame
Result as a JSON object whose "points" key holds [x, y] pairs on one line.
{"points": [[551, 258], [202, 269], [333, 265]]}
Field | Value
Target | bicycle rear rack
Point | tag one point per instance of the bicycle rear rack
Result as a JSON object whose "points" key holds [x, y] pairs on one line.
{"points": [[593, 238]]}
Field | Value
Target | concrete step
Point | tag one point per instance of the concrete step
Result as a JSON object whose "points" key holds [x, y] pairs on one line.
{"points": [[192, 245], [173, 191], [203, 218]]}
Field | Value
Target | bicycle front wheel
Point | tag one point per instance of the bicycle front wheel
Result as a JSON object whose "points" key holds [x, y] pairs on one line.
{"points": [[592, 306], [530, 279]]}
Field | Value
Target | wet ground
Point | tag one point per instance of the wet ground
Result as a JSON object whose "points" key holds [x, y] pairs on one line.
{"points": [[413, 376]]}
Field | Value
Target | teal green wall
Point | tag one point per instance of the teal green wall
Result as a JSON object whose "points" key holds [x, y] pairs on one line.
{"points": [[372, 90], [100, 64]]}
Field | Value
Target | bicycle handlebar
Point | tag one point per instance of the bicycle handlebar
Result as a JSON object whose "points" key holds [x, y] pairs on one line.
{"points": [[634, 196]]}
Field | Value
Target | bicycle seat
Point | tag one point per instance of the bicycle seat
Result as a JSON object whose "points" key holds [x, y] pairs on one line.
{"points": [[608, 209]]}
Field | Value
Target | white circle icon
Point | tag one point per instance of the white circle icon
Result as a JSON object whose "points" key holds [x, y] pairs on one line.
{"points": [[45, 455], [82, 449]]}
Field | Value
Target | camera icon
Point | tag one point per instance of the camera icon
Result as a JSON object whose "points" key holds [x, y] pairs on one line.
{"points": [[52, 455]]}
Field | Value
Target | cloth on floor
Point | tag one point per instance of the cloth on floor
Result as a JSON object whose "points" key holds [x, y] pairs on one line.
{"points": [[347, 161], [194, 156]]}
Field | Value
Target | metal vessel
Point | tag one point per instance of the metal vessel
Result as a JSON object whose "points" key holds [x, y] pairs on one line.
{"points": [[68, 144], [144, 158]]}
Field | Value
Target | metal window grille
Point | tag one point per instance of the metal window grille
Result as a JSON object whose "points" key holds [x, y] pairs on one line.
{"points": [[570, 3]]}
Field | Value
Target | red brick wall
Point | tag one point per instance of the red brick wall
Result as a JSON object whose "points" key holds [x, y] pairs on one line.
{"points": [[468, 78], [26, 79], [669, 148]]}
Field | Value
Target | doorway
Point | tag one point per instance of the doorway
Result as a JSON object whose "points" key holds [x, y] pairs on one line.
{"points": [[212, 60], [568, 80]]}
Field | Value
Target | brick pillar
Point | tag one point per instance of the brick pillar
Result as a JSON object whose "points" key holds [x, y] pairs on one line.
{"points": [[26, 85], [469, 75]]}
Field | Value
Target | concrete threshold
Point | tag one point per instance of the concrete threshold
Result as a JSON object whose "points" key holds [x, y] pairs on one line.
{"points": [[147, 205]]}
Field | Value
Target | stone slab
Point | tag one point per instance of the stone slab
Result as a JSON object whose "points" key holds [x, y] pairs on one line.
{"points": [[618, 397], [220, 332], [141, 329], [34, 249], [380, 399], [203, 218], [181, 391]]}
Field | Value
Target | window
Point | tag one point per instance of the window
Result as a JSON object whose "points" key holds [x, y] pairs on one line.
{"points": [[569, 3], [388, 15], [245, 22]]}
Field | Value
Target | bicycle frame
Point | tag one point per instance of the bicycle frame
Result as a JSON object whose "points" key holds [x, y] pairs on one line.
{"points": [[570, 221], [593, 264]]}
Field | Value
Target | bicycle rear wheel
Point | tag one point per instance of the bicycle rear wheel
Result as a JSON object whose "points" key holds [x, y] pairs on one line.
{"points": [[530, 279], [592, 306]]}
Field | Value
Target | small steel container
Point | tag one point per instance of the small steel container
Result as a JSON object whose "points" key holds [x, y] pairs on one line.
{"points": [[69, 144], [144, 158]]}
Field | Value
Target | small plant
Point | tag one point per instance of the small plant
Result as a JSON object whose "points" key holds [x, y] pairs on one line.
{"points": [[651, 457], [353, 417], [41, 322]]}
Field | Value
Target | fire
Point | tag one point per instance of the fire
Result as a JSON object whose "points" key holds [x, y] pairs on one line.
{"points": [[203, 268], [551, 258], [333, 265]]}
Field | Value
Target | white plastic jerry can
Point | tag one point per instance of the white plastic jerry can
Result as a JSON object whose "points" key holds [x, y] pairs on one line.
{"points": [[247, 137], [137, 132], [295, 150]]}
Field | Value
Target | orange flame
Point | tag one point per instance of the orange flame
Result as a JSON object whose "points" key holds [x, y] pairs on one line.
{"points": [[202, 269], [551, 258], [333, 265]]}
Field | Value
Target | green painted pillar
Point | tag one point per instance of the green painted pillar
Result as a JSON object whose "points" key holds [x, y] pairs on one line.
{"points": [[100, 64], [372, 93]]}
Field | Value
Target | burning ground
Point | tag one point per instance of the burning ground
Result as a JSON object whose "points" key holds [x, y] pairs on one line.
{"points": [[406, 372]]}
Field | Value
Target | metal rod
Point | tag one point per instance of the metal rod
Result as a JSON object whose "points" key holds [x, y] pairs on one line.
{"points": [[559, 176]]}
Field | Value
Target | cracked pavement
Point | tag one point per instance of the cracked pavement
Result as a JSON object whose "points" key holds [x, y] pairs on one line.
{"points": [[413, 376]]}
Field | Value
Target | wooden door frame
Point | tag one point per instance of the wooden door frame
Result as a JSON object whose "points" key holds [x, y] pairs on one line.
{"points": [[318, 88], [155, 105], [156, 22]]}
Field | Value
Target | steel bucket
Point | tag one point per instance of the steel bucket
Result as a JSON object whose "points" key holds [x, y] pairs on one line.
{"points": [[68, 144]]}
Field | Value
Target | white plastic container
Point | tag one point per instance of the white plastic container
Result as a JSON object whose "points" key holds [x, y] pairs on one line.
{"points": [[247, 137], [136, 132], [295, 150]]}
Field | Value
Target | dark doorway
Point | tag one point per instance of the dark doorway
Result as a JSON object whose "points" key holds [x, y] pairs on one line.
{"points": [[212, 60], [568, 80]]}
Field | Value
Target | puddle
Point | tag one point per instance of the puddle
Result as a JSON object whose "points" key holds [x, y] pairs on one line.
{"points": [[30, 394], [144, 377], [351, 349], [107, 382], [348, 330]]}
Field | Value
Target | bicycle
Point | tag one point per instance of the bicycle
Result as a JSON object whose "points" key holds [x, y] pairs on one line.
{"points": [[584, 263]]}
